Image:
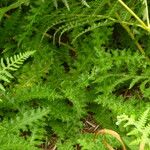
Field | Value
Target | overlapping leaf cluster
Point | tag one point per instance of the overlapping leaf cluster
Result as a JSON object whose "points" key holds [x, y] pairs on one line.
{"points": [[88, 58]]}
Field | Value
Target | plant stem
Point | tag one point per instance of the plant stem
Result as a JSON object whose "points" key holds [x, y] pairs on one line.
{"points": [[144, 26], [147, 13], [131, 35]]}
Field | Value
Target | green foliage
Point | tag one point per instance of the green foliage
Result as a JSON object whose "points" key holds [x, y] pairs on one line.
{"points": [[88, 142], [140, 129], [92, 59], [12, 64], [10, 130], [66, 3], [12, 6]]}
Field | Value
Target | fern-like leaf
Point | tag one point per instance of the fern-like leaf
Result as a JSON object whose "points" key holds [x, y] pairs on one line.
{"points": [[12, 64], [12, 6], [140, 129]]}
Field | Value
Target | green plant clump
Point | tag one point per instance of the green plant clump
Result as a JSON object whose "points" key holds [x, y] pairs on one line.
{"points": [[72, 71]]}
